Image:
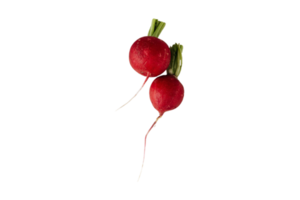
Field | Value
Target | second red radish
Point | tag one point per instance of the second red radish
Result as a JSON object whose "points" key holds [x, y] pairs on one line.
{"points": [[166, 93]]}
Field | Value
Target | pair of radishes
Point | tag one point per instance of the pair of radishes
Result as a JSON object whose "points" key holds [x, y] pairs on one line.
{"points": [[150, 57]]}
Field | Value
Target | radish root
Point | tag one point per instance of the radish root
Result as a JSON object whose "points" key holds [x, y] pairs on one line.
{"points": [[134, 95], [140, 174], [153, 125]]}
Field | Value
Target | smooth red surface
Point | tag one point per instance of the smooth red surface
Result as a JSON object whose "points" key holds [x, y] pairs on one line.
{"points": [[149, 55], [166, 93]]}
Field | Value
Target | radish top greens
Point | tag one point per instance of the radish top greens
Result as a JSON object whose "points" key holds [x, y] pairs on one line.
{"points": [[156, 28]]}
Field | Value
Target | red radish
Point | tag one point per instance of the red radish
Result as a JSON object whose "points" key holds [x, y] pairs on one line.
{"points": [[166, 93], [150, 56]]}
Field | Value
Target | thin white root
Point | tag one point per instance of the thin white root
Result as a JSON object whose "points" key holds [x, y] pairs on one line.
{"points": [[129, 101], [153, 125], [134, 95], [140, 174]]}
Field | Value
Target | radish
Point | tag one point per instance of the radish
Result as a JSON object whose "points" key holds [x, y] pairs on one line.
{"points": [[150, 56], [166, 92]]}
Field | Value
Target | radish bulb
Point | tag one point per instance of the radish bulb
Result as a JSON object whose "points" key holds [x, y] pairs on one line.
{"points": [[148, 56], [166, 93]]}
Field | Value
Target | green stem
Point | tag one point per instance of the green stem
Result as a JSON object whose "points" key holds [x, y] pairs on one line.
{"points": [[176, 60], [156, 28]]}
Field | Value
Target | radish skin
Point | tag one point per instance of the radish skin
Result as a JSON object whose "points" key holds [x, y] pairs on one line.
{"points": [[166, 93], [149, 55]]}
